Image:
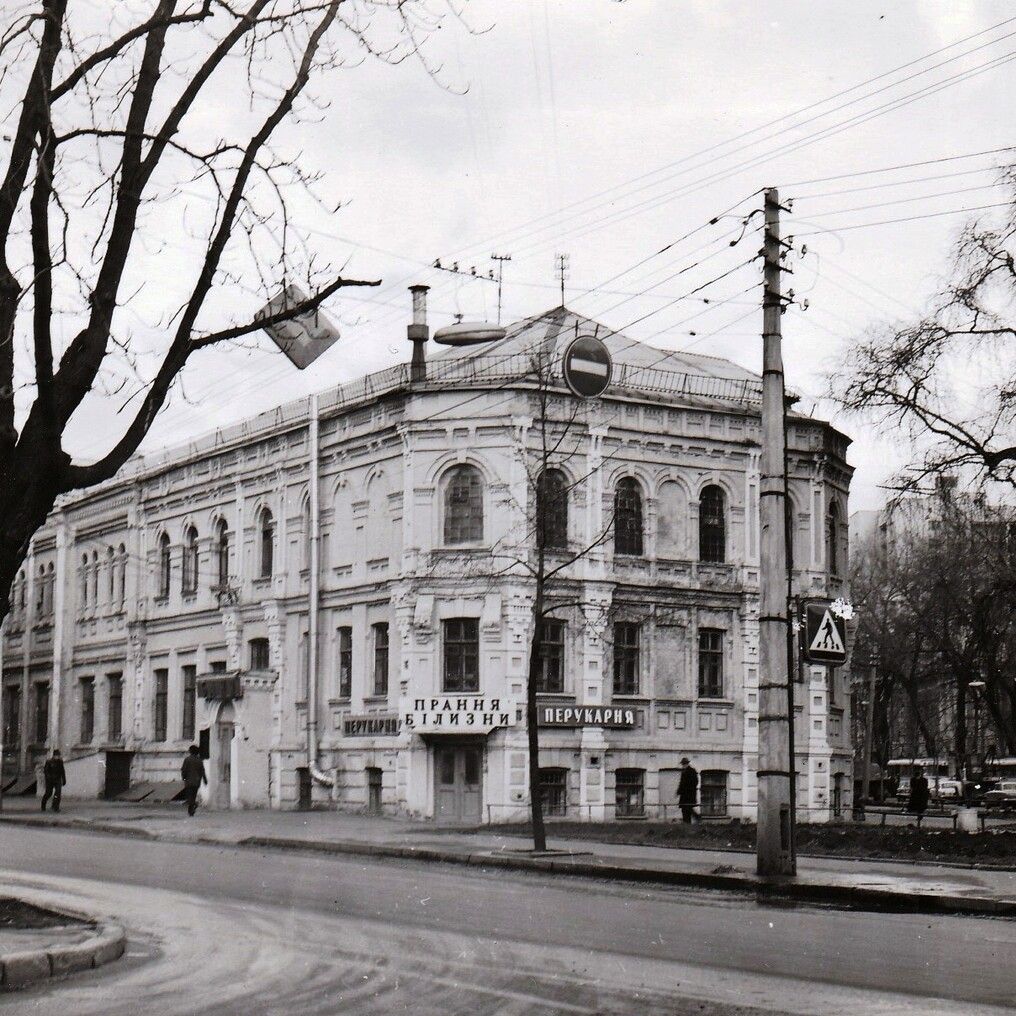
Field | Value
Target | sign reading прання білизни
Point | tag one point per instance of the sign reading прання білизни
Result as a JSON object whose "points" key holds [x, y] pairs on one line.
{"points": [[470, 714], [587, 716]]}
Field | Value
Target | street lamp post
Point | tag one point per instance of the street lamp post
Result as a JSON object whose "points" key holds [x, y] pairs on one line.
{"points": [[977, 687]]}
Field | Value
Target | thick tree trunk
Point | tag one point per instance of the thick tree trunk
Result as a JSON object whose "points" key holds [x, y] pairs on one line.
{"points": [[24, 505]]}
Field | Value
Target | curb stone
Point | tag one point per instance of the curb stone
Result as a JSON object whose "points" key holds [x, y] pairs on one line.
{"points": [[19, 970], [872, 899], [776, 889]]}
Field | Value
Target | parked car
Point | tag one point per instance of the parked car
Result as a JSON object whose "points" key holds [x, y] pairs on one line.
{"points": [[947, 790], [1002, 795]]}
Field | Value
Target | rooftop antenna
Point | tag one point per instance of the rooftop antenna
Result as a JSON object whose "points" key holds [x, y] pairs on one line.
{"points": [[500, 259], [561, 264]]}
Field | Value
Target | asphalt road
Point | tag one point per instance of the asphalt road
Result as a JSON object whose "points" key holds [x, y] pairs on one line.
{"points": [[230, 930]]}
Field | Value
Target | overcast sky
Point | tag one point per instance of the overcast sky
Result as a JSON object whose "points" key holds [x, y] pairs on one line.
{"points": [[561, 101]]}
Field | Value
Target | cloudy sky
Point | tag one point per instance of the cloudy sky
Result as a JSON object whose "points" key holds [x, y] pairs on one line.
{"points": [[606, 131]]}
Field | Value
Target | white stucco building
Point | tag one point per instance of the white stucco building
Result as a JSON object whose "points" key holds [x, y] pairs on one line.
{"points": [[171, 605]]}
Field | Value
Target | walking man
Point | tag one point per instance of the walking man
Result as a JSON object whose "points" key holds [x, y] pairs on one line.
{"points": [[920, 793], [193, 773], [687, 791], [55, 778]]}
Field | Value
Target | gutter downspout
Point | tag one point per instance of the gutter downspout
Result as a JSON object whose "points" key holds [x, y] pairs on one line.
{"points": [[317, 774]]}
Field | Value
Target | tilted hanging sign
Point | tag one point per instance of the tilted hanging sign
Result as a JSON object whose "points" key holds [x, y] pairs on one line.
{"points": [[302, 338]]}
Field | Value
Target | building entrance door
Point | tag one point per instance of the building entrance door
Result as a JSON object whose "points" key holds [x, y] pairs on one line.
{"points": [[224, 764], [118, 773], [458, 790]]}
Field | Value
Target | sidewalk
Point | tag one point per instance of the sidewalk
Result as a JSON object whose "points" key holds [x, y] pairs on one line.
{"points": [[862, 883]]}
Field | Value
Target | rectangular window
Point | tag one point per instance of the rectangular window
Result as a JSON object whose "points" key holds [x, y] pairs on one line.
{"points": [[627, 636], [190, 677], [554, 791], [87, 709], [551, 652], [710, 663], [629, 793], [161, 704], [42, 712], [344, 640], [380, 658], [259, 654], [114, 706], [12, 717], [713, 790], [217, 666], [461, 654]]}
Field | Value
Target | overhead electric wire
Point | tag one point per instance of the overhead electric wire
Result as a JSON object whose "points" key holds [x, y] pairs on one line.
{"points": [[786, 117], [901, 165], [891, 183], [909, 218], [897, 201], [782, 119], [673, 243], [668, 278], [786, 149]]}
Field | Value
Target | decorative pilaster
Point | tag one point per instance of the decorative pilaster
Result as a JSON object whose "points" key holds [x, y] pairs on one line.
{"points": [[134, 682]]}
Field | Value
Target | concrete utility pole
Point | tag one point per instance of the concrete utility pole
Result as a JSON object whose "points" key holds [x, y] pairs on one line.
{"points": [[775, 839]]}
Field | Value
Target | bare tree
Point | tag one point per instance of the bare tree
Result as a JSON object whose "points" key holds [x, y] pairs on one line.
{"points": [[119, 142], [938, 607], [544, 547], [949, 379]]}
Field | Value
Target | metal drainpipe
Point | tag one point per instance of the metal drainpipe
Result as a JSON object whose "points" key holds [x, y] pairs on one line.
{"points": [[317, 774]]}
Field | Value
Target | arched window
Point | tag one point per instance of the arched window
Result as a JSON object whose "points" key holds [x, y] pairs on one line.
{"points": [[266, 542], [40, 592], [93, 579], [712, 526], [832, 537], [189, 572], [165, 565], [111, 575], [628, 517], [18, 599], [222, 554], [552, 509], [305, 521], [121, 575], [47, 599], [463, 504], [84, 582]]}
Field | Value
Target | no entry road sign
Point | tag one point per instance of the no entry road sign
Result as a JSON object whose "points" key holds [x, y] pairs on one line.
{"points": [[586, 367], [823, 634]]}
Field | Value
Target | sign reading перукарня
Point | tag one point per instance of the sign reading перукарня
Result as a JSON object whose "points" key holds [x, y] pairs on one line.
{"points": [[468, 714], [587, 716]]}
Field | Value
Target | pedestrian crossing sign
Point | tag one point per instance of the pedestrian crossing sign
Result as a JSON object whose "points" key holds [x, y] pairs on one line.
{"points": [[824, 635]]}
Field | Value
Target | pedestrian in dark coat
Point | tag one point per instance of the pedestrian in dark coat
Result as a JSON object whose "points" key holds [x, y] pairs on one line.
{"points": [[687, 791], [55, 779], [193, 773], [919, 794]]}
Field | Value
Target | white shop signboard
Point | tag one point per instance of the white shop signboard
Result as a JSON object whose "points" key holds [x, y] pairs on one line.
{"points": [[461, 714]]}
